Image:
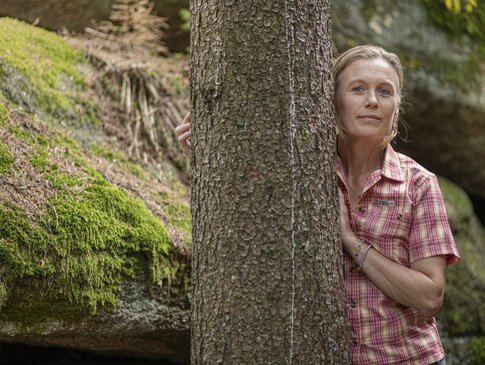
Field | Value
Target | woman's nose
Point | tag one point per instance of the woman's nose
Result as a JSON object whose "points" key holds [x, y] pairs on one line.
{"points": [[371, 100]]}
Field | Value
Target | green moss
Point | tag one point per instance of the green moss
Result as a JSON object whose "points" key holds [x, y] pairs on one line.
{"points": [[462, 73], [90, 238], [135, 169], [6, 159], [62, 140], [459, 314], [30, 316], [107, 152], [476, 348], [4, 114], [177, 210], [179, 216], [465, 289], [38, 72], [43, 141], [85, 245], [456, 25], [20, 242], [91, 111], [3, 294], [458, 204], [22, 134], [39, 157], [115, 156], [70, 258], [71, 149], [465, 292], [468, 350]]}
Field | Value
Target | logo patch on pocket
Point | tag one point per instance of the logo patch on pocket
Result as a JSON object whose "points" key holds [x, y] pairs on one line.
{"points": [[387, 203]]}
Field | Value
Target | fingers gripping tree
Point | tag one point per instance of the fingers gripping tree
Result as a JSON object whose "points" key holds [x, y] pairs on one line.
{"points": [[268, 285]]}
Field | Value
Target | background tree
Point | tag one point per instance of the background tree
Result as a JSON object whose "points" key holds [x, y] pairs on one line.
{"points": [[268, 284]]}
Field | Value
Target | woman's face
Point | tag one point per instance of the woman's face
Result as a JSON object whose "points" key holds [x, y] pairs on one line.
{"points": [[368, 100]]}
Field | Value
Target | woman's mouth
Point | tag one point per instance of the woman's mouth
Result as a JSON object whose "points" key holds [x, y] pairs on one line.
{"points": [[369, 116]]}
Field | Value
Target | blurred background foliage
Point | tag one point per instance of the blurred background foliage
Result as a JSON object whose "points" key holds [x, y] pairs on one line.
{"points": [[456, 16]]}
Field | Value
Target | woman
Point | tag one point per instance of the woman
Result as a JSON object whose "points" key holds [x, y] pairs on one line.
{"points": [[395, 233]]}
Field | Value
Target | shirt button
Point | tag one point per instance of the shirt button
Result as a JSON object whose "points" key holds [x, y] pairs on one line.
{"points": [[361, 210], [352, 305]]}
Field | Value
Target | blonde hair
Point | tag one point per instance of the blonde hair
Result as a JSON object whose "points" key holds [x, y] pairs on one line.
{"points": [[367, 52]]}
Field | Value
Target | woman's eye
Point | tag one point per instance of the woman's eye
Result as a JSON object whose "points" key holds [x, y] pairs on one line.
{"points": [[357, 89], [385, 92]]}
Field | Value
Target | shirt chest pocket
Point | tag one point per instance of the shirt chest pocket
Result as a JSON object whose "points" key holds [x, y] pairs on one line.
{"points": [[389, 229]]}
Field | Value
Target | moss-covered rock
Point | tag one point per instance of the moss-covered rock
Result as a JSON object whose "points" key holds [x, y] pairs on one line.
{"points": [[75, 15], [462, 316], [476, 348], [88, 237], [42, 74], [89, 257], [6, 158], [3, 114], [465, 292]]}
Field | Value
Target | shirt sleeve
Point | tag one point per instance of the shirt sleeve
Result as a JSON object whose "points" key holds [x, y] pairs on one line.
{"points": [[430, 233]]}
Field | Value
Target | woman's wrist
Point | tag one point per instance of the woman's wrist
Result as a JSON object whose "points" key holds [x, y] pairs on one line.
{"points": [[356, 247], [350, 241]]}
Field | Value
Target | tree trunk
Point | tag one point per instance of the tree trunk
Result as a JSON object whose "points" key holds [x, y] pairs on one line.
{"points": [[268, 283]]}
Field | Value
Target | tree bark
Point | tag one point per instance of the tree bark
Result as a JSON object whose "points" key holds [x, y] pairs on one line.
{"points": [[268, 284]]}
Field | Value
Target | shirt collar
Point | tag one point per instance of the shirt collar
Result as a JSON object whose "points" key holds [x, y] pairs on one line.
{"points": [[391, 167]]}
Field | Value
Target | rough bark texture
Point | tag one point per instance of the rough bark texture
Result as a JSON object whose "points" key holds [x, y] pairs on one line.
{"points": [[268, 284]]}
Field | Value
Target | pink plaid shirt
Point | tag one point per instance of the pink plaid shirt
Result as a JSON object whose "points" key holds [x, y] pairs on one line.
{"points": [[402, 214]]}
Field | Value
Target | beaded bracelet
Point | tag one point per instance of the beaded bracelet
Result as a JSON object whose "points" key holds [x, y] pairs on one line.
{"points": [[359, 247], [356, 254], [361, 262]]}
